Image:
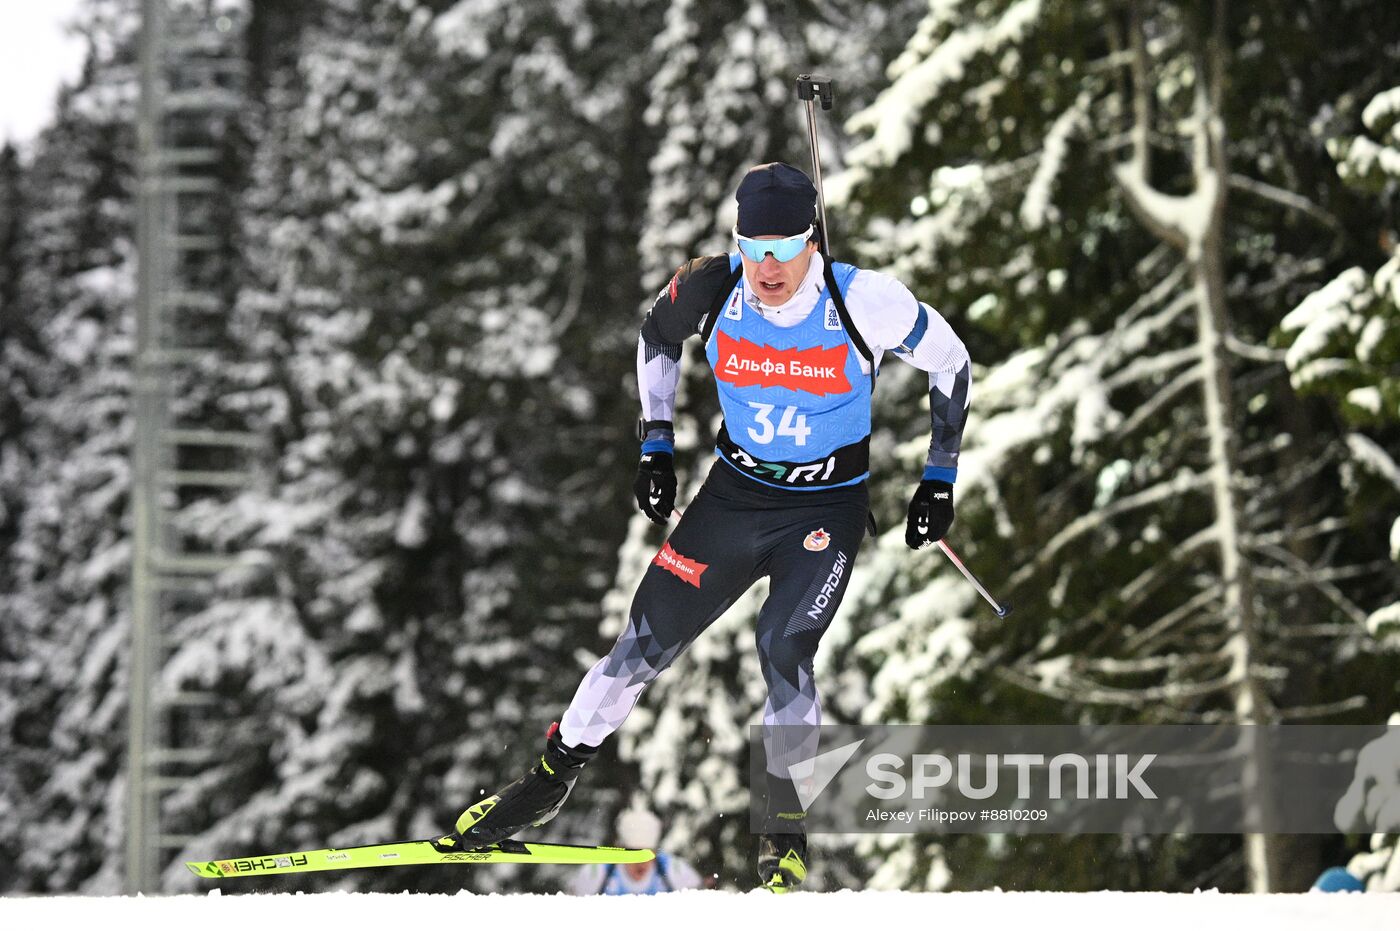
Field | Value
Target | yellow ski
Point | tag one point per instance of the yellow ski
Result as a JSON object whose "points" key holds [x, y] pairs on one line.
{"points": [[411, 853]]}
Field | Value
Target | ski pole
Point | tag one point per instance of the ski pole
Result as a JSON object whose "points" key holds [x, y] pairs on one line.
{"points": [[809, 88], [1002, 610]]}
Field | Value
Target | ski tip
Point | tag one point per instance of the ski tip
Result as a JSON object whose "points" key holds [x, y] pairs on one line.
{"points": [[205, 869]]}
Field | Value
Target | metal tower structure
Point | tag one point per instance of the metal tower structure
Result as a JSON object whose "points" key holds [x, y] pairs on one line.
{"points": [[191, 78]]}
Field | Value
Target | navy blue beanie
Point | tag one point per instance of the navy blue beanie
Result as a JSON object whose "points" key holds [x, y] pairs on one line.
{"points": [[775, 200]]}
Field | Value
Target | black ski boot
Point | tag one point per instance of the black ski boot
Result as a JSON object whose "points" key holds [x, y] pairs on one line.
{"points": [[782, 861], [782, 847], [533, 799]]}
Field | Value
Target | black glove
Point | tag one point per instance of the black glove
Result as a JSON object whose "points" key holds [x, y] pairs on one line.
{"points": [[656, 486], [930, 514]]}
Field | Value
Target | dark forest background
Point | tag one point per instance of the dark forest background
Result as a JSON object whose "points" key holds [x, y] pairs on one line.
{"points": [[1166, 231]]}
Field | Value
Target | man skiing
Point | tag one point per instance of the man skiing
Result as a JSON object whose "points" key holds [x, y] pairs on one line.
{"points": [[794, 341]]}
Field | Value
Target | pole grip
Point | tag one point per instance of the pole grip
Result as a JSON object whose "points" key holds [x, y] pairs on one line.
{"points": [[816, 86]]}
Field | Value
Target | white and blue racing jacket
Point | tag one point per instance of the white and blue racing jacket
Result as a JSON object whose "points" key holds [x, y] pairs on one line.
{"points": [[794, 382]]}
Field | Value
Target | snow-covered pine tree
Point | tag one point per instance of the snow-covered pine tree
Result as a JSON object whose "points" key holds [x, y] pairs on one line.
{"points": [[437, 231], [1054, 176], [63, 603], [1343, 342], [1343, 339], [18, 348]]}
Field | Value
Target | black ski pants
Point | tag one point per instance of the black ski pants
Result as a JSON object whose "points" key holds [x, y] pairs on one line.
{"points": [[735, 532]]}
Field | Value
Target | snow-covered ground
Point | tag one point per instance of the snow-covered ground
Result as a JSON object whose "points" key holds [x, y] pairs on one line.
{"points": [[683, 910]]}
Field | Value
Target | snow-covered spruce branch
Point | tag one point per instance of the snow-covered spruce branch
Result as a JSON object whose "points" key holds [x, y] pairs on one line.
{"points": [[1149, 266], [1096, 694], [1371, 456], [1145, 367], [1117, 666], [1326, 526], [1279, 512], [572, 611], [1035, 205], [1164, 395], [1265, 447], [1171, 625], [1354, 703], [1339, 632], [1155, 632], [1179, 485], [1309, 577], [1133, 331], [896, 113], [1329, 574], [1127, 339], [1252, 352], [1147, 581], [1286, 274], [1109, 64], [1265, 494], [1099, 619], [1116, 142], [573, 302], [1287, 199], [1266, 490]]}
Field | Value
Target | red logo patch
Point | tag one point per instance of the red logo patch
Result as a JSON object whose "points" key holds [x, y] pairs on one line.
{"points": [[816, 370], [674, 287], [687, 570]]}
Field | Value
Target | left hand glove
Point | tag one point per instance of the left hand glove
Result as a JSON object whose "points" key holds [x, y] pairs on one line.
{"points": [[655, 486], [930, 514]]}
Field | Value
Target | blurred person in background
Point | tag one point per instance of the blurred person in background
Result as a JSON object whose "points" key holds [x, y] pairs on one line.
{"points": [[637, 827]]}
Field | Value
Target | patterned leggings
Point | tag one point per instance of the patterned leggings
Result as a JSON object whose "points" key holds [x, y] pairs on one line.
{"points": [[735, 532]]}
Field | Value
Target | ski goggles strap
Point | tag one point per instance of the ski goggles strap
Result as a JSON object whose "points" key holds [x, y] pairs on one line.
{"points": [[784, 250]]}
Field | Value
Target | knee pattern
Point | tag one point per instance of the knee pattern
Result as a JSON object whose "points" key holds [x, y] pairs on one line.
{"points": [[638, 655], [785, 655]]}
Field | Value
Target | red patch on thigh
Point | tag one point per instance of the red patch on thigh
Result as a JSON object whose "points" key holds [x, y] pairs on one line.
{"points": [[682, 567]]}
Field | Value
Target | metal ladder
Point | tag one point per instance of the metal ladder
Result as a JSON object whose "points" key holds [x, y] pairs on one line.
{"points": [[192, 77]]}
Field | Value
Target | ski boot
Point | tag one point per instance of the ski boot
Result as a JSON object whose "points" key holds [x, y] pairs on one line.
{"points": [[533, 799], [782, 861], [782, 845]]}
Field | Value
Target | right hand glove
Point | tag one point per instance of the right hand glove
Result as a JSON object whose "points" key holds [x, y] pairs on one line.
{"points": [[930, 514], [656, 486]]}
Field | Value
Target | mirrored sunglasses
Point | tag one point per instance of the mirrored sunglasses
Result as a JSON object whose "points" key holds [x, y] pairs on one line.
{"points": [[784, 250]]}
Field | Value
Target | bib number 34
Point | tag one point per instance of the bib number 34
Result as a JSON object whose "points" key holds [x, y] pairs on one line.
{"points": [[790, 423]]}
